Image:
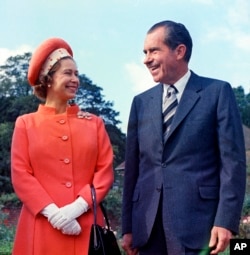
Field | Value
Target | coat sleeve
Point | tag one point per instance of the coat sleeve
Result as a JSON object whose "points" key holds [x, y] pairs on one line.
{"points": [[103, 174], [26, 186], [131, 169], [233, 161]]}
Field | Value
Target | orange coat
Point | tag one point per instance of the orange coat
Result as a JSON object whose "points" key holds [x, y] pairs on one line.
{"points": [[55, 158]]}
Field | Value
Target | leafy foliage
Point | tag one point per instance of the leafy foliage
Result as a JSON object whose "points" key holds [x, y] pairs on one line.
{"points": [[10, 200], [5, 140], [113, 205], [243, 102], [89, 98], [13, 76], [6, 234]]}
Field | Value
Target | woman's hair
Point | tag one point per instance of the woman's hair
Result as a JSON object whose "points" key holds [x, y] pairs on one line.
{"points": [[40, 91], [175, 34]]}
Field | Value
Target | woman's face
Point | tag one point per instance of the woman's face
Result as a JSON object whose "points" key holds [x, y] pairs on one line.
{"points": [[65, 82]]}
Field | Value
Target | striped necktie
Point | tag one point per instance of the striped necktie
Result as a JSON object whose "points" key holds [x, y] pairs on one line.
{"points": [[169, 108]]}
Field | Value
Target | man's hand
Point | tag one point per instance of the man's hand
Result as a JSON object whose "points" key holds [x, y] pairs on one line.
{"points": [[127, 245], [220, 238]]}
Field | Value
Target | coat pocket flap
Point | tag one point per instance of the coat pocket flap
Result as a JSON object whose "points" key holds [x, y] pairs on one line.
{"points": [[209, 192]]}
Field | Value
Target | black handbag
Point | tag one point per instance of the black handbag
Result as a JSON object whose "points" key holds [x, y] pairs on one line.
{"points": [[102, 239]]}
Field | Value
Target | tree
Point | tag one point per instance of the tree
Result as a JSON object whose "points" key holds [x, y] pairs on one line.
{"points": [[5, 141], [240, 97], [118, 142], [13, 76], [90, 99], [243, 102], [14, 106]]}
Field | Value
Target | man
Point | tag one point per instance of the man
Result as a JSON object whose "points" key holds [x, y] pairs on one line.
{"points": [[185, 169]]}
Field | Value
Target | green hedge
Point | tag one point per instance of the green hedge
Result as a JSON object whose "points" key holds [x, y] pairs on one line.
{"points": [[6, 235]]}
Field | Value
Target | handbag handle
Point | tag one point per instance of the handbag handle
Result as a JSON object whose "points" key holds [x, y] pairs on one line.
{"points": [[93, 193]]}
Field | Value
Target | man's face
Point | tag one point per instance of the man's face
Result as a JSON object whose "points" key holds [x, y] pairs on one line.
{"points": [[159, 58]]}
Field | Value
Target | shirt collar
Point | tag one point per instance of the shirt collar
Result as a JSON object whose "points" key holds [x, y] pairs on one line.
{"points": [[180, 85]]}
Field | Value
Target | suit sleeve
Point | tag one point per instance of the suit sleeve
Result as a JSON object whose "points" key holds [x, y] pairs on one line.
{"points": [[233, 161], [131, 169]]}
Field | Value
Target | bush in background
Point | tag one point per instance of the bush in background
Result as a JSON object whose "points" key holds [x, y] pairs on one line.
{"points": [[7, 232]]}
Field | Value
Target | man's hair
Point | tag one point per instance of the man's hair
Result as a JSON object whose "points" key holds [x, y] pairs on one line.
{"points": [[175, 34]]}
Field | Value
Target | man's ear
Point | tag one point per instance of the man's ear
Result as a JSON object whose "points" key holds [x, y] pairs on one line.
{"points": [[180, 51]]}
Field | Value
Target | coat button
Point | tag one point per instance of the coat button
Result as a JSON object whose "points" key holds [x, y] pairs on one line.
{"points": [[164, 164], [68, 184], [65, 137], [158, 189], [66, 161], [62, 121]]}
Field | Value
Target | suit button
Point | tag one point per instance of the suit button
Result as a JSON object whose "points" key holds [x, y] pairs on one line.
{"points": [[164, 164], [65, 137], [66, 161], [158, 189], [68, 184]]}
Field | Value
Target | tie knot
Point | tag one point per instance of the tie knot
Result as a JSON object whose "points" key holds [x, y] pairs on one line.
{"points": [[171, 90]]}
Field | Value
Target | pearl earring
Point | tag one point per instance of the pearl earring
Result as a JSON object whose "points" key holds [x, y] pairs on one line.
{"points": [[49, 85]]}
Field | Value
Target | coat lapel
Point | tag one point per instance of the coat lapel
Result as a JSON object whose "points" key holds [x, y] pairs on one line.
{"points": [[188, 100], [155, 109]]}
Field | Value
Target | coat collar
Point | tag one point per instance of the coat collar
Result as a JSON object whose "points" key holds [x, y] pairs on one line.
{"points": [[42, 109]]}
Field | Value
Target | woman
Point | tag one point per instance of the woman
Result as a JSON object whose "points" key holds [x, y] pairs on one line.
{"points": [[57, 153]]}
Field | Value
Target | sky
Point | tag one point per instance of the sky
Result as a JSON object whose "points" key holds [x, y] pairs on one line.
{"points": [[107, 39]]}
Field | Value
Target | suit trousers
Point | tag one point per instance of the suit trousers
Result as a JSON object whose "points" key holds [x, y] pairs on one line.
{"points": [[162, 243], [156, 244]]}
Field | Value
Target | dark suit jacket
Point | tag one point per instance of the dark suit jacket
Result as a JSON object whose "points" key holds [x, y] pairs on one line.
{"points": [[201, 170]]}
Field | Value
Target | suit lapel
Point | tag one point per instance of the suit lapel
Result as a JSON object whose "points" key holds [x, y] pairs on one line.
{"points": [[188, 100], [155, 109]]}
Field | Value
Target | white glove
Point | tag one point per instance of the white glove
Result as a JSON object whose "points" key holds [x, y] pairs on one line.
{"points": [[49, 210], [67, 213], [72, 228]]}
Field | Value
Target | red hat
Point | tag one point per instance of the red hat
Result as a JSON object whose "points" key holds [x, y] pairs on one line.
{"points": [[45, 56]]}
